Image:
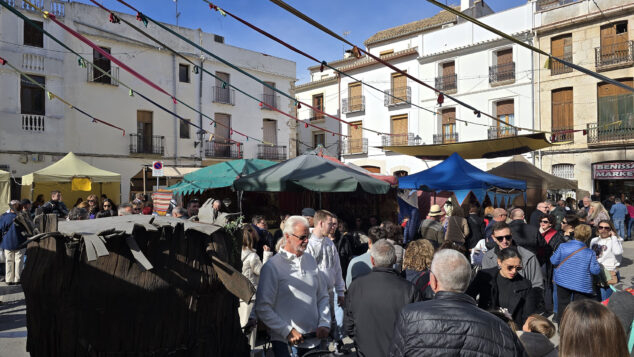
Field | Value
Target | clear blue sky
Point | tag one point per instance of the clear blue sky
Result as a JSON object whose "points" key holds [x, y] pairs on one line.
{"points": [[362, 18]]}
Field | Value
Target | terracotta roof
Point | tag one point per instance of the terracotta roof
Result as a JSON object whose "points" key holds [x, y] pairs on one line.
{"points": [[316, 84], [440, 18], [367, 61], [334, 63]]}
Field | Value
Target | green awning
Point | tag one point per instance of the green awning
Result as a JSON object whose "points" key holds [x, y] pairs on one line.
{"points": [[313, 173], [218, 175]]}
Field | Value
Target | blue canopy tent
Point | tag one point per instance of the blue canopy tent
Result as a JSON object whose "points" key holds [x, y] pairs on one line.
{"points": [[460, 177]]}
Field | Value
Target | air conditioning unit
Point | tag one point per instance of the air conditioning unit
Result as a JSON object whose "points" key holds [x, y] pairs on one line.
{"points": [[24, 158]]}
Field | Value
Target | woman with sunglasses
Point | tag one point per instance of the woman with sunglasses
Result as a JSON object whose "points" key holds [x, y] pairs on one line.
{"points": [[553, 238], [575, 264], [108, 209], [93, 206], [609, 250], [503, 289]]}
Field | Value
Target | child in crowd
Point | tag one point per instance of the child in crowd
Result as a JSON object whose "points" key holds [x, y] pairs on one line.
{"points": [[536, 337]]}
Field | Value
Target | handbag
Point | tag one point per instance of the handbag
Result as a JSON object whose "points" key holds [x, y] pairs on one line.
{"points": [[607, 277]]}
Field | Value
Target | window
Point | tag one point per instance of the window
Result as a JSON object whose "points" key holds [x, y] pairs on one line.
{"points": [[355, 97], [614, 44], [33, 36], [269, 131], [561, 47], [318, 103], [447, 79], [184, 129], [503, 68], [319, 139], [219, 39], [356, 137], [615, 104], [222, 91], [399, 88], [562, 120], [102, 62], [399, 129], [31, 96], [183, 73], [268, 95], [566, 171], [449, 134], [505, 111], [144, 132]]}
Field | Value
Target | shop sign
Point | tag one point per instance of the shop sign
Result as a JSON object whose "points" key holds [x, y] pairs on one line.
{"points": [[613, 170]]}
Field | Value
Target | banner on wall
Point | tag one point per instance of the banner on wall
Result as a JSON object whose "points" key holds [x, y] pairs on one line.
{"points": [[616, 170]]}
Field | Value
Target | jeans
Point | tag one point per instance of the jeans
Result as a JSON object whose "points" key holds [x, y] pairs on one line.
{"points": [[629, 227], [607, 292], [337, 318], [565, 296], [619, 225], [280, 349]]}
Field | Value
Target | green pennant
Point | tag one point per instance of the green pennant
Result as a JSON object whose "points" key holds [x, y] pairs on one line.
{"points": [[131, 93]]}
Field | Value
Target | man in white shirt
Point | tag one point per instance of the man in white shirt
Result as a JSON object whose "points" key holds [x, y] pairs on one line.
{"points": [[292, 297], [327, 258]]}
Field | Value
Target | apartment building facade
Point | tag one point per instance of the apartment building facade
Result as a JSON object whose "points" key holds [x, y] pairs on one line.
{"points": [[591, 120], [37, 131]]}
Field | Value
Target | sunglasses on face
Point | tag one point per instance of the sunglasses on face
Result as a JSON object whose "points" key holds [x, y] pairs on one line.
{"points": [[93, 201], [501, 238], [302, 238], [513, 267], [106, 205], [604, 228], [546, 222]]}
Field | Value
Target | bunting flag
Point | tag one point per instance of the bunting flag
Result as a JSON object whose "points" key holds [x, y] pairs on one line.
{"points": [[491, 197], [461, 195], [479, 194]]}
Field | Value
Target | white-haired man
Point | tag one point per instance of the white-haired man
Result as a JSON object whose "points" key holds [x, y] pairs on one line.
{"points": [[292, 297], [451, 323]]}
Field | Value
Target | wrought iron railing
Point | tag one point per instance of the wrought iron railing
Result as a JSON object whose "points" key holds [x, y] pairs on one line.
{"points": [[273, 100], [401, 139], [33, 122], [502, 72], [230, 150], [96, 76], [26, 6], [557, 67], [223, 95], [560, 135], [446, 138], [353, 104], [271, 152], [397, 96], [140, 144], [447, 83], [610, 132], [543, 5], [614, 55], [58, 8], [496, 132], [354, 146], [316, 115]]}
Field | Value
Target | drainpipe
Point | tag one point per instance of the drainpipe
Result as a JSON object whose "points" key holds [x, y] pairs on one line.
{"points": [[176, 136], [339, 148], [200, 109]]}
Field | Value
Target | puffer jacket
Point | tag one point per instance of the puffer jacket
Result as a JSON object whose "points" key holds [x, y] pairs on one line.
{"points": [[452, 325], [251, 265]]}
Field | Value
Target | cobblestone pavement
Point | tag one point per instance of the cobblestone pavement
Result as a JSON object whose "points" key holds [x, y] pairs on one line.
{"points": [[13, 311]]}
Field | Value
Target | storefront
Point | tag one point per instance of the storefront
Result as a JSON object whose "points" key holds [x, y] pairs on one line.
{"points": [[614, 177]]}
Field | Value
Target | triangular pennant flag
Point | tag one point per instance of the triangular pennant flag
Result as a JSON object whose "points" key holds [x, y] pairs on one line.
{"points": [[525, 198], [491, 197], [461, 195], [479, 194]]}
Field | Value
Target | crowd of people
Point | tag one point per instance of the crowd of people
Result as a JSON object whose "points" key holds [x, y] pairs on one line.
{"points": [[472, 280], [488, 281]]}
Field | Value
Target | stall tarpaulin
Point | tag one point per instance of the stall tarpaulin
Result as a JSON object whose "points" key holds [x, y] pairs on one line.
{"points": [[5, 190], [60, 176]]}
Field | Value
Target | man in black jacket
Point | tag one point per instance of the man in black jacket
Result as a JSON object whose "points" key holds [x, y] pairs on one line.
{"points": [[374, 301], [451, 324], [525, 235], [476, 227]]}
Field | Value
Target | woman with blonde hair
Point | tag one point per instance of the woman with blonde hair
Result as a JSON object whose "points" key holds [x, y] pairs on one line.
{"points": [[597, 213], [591, 329], [93, 206], [416, 265]]}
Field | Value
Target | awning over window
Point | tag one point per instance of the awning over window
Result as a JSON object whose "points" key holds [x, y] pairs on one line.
{"points": [[487, 149]]}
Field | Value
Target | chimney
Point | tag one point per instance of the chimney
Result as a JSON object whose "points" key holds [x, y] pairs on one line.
{"points": [[465, 4]]}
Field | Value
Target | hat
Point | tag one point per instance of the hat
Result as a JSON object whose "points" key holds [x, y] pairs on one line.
{"points": [[435, 211], [308, 212]]}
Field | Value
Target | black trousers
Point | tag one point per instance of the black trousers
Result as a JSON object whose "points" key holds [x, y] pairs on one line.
{"points": [[565, 296]]}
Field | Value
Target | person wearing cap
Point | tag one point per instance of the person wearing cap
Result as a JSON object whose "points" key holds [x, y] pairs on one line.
{"points": [[431, 228], [309, 214]]}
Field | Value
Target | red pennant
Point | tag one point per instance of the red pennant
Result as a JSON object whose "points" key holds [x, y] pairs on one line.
{"points": [[355, 127], [585, 132], [260, 103], [299, 105], [441, 98], [3, 61], [321, 68], [305, 125]]}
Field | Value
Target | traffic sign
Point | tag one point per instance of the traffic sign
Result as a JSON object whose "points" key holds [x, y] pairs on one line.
{"points": [[157, 168]]}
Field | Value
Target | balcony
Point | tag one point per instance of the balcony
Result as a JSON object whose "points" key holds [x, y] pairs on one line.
{"points": [[270, 100], [561, 135], [316, 115], [223, 95], [557, 67], [501, 132], [271, 152], [447, 83], [33, 122], [96, 76], [543, 5], [448, 138], [230, 150], [151, 144], [408, 139], [502, 73], [27, 7], [610, 134], [397, 96], [354, 146], [353, 104], [614, 56]]}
